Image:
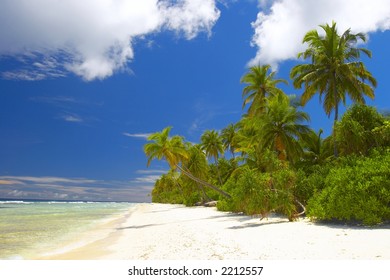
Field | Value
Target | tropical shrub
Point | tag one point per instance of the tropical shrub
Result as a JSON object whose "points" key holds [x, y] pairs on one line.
{"points": [[310, 182], [167, 190], [355, 131], [358, 191], [256, 193]]}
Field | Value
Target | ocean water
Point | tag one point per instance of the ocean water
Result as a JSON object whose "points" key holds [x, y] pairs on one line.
{"points": [[29, 230]]}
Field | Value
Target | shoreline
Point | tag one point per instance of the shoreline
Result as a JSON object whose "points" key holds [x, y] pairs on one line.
{"points": [[87, 242], [175, 232]]}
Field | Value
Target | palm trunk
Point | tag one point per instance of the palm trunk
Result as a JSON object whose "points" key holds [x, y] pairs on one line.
{"points": [[335, 149], [336, 116], [204, 183], [218, 172]]}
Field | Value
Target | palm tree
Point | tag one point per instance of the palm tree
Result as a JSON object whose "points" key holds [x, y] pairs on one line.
{"points": [[174, 151], [198, 166], [315, 148], [281, 127], [228, 135], [335, 70], [247, 137], [260, 84], [212, 144]]}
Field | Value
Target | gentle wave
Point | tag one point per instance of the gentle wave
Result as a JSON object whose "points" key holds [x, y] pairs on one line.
{"points": [[15, 202]]}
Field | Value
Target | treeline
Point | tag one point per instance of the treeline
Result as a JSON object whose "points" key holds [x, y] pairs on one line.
{"points": [[272, 161]]}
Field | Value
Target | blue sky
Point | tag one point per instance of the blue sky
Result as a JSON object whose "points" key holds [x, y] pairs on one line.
{"points": [[80, 92]]}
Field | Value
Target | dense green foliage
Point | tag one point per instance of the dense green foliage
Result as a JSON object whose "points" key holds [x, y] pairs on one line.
{"points": [[271, 161], [357, 189], [256, 193], [356, 131]]}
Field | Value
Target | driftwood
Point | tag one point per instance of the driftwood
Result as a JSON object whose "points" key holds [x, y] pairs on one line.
{"points": [[210, 204], [303, 208], [207, 204]]}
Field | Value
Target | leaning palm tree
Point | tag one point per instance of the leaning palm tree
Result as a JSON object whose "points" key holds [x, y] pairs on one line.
{"points": [[175, 152], [260, 84], [163, 146], [281, 127], [335, 70]]}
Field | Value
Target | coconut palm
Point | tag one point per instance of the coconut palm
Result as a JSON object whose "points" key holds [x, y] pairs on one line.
{"points": [[212, 144], [335, 70], [316, 150], [260, 84], [174, 151], [228, 135], [281, 126], [196, 163]]}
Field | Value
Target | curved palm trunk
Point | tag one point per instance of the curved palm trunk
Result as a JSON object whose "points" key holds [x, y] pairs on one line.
{"points": [[204, 183]]}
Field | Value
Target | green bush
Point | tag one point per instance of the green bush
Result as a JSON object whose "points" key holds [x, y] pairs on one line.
{"points": [[310, 182], [358, 190], [255, 193], [167, 196], [356, 130]]}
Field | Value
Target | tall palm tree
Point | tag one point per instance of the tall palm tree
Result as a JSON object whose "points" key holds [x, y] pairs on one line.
{"points": [[260, 84], [335, 70], [281, 126], [174, 151]]}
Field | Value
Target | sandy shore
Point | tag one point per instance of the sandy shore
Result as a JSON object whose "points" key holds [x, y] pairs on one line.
{"points": [[172, 232]]}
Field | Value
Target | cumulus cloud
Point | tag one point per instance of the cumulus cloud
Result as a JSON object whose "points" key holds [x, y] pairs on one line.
{"points": [[279, 31], [89, 38], [190, 16]]}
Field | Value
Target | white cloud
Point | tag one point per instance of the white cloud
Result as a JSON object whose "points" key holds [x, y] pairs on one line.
{"points": [[151, 179], [151, 171], [72, 118], [190, 16], [17, 193], [137, 135], [279, 32], [48, 180], [89, 38], [52, 188]]}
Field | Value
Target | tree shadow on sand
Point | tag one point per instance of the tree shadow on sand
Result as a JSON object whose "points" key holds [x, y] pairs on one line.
{"points": [[259, 224], [138, 227]]}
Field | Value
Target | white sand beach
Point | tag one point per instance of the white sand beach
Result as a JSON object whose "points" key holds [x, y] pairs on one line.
{"points": [[174, 232]]}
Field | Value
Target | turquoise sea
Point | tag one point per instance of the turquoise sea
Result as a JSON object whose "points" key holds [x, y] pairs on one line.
{"points": [[30, 229]]}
